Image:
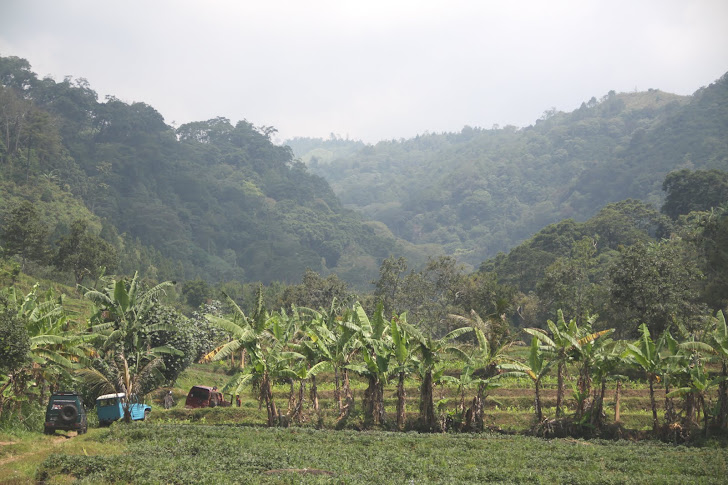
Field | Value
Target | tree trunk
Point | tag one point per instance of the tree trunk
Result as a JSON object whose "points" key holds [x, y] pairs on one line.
{"points": [[270, 405], [597, 417], [653, 404], [560, 390], [291, 397], [427, 406], [689, 419], [337, 391], [297, 412], [348, 396], [723, 398], [617, 401], [670, 416], [537, 403], [478, 404], [401, 402], [314, 395], [374, 401]]}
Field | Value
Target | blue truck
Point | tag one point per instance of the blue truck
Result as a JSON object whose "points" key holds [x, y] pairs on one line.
{"points": [[110, 407]]}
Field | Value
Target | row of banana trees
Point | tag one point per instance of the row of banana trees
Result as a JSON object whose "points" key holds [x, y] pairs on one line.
{"points": [[297, 346], [114, 352]]}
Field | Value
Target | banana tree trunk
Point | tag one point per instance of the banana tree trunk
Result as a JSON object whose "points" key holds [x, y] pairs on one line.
{"points": [[723, 398], [314, 395], [270, 405], [597, 415], [348, 396], [617, 401], [427, 406], [374, 401], [297, 411], [291, 396], [537, 399], [401, 402], [560, 390], [337, 391], [653, 404]]}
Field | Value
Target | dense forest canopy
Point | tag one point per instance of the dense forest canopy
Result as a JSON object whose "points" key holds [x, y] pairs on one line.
{"points": [[517, 223], [210, 199], [482, 191]]}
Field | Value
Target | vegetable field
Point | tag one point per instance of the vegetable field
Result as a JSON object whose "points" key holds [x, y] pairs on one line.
{"points": [[178, 453]]}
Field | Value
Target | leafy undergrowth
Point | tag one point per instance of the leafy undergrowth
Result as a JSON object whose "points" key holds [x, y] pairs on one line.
{"points": [[166, 453]]}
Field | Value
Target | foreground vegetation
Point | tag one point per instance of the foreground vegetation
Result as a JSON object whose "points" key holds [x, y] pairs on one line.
{"points": [[165, 453]]}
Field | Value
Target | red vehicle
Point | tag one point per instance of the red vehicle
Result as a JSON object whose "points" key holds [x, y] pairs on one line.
{"points": [[203, 397]]}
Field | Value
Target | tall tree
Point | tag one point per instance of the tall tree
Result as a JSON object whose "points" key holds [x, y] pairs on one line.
{"points": [[655, 284], [84, 253], [698, 190], [25, 234]]}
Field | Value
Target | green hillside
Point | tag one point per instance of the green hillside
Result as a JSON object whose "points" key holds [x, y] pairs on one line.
{"points": [[482, 191], [211, 199]]}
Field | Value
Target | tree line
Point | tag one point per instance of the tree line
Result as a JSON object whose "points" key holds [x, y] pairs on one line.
{"points": [[132, 343]]}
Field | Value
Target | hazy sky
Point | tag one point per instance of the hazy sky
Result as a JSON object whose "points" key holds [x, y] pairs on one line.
{"points": [[369, 69]]}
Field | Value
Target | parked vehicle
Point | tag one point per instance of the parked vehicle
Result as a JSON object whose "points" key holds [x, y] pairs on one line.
{"points": [[110, 407], [203, 396], [65, 411]]}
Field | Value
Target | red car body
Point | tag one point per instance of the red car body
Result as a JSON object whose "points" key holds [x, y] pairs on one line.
{"points": [[204, 396]]}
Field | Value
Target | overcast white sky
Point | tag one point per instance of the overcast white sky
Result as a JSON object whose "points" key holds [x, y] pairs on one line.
{"points": [[369, 69]]}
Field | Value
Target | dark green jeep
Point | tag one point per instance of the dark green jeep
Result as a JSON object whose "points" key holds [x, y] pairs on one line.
{"points": [[65, 411]]}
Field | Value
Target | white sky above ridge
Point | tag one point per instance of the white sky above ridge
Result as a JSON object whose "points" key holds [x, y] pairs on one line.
{"points": [[369, 70]]}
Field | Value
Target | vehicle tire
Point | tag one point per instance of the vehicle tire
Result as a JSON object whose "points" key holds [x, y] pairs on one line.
{"points": [[213, 404], [147, 412], [49, 431], [68, 414]]}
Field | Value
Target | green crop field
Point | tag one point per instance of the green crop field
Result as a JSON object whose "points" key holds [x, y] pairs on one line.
{"points": [[179, 453]]}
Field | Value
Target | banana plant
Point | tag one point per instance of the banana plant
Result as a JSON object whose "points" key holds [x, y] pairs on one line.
{"points": [[376, 353], [128, 363], [700, 383], [536, 368], [716, 345], [54, 349], [564, 343], [265, 337], [431, 351], [405, 364], [644, 353]]}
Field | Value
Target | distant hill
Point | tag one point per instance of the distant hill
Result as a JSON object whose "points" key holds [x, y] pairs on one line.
{"points": [[207, 200], [481, 191]]}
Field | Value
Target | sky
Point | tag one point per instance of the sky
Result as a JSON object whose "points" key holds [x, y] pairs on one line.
{"points": [[369, 70]]}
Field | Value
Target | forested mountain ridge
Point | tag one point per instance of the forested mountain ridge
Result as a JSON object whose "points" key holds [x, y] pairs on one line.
{"points": [[210, 199], [481, 191]]}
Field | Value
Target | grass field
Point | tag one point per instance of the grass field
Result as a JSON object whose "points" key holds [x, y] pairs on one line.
{"points": [[177, 453]]}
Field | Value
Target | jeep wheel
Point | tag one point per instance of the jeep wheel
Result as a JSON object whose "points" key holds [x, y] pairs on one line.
{"points": [[68, 414], [49, 431]]}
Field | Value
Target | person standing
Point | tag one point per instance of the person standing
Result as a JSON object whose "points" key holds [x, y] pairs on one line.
{"points": [[168, 400]]}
